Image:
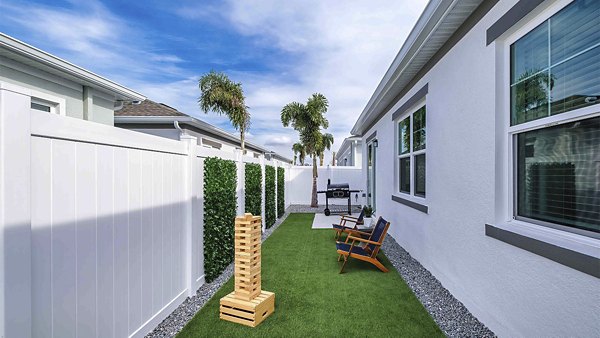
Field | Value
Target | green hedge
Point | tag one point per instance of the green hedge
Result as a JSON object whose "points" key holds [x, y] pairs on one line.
{"points": [[253, 187], [280, 192], [220, 207], [269, 196]]}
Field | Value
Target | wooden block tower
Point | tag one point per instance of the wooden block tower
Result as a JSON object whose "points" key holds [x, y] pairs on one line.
{"points": [[248, 304]]}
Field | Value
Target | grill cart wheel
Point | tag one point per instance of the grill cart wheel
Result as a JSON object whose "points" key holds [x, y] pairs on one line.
{"points": [[327, 212]]}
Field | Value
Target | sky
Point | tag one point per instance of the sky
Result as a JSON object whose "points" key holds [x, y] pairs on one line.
{"points": [[281, 51]]}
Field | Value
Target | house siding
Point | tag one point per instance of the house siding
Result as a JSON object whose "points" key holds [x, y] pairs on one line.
{"points": [[512, 291], [70, 91]]}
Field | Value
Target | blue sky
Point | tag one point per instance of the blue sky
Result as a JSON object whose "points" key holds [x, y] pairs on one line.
{"points": [[281, 51]]}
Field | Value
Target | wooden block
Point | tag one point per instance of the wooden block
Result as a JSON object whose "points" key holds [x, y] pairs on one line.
{"points": [[249, 313]]}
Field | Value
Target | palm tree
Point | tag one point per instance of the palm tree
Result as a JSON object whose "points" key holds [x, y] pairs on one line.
{"points": [[299, 152], [308, 119], [326, 144], [225, 97]]}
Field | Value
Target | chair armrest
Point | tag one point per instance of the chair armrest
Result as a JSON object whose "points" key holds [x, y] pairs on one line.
{"points": [[348, 216], [356, 231], [363, 240]]}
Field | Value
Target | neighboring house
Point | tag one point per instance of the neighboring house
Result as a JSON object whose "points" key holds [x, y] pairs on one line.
{"points": [[482, 147], [162, 120], [350, 153], [60, 87]]}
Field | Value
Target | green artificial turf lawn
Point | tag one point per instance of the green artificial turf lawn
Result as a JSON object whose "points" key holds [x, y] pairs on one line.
{"points": [[312, 299]]}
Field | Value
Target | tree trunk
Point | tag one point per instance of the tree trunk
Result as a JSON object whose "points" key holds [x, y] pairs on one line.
{"points": [[314, 201], [321, 158], [243, 141]]}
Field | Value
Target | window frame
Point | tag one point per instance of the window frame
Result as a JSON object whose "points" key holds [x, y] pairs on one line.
{"points": [[511, 132], [56, 104], [409, 113]]}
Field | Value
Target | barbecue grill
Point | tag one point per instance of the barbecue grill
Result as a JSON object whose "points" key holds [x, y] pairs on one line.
{"points": [[338, 191]]}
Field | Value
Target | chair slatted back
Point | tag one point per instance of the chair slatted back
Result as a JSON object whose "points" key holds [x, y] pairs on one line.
{"points": [[361, 217], [378, 235]]}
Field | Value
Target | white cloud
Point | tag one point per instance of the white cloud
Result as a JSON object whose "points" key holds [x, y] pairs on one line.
{"points": [[346, 48]]}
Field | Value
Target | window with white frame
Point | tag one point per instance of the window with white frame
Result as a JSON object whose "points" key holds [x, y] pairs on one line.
{"points": [[47, 103], [411, 145], [555, 120]]}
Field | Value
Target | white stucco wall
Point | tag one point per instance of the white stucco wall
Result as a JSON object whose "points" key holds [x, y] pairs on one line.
{"points": [[512, 291]]}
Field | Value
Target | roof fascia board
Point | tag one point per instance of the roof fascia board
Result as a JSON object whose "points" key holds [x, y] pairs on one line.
{"points": [[35, 54], [460, 32]]}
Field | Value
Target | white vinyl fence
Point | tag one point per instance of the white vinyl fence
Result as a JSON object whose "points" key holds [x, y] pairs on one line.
{"points": [[300, 183], [101, 229]]}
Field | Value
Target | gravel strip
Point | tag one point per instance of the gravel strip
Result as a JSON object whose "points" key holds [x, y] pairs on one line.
{"points": [[186, 311], [450, 315]]}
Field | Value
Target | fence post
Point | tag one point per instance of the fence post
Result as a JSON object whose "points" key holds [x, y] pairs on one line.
{"points": [[262, 206], [190, 231], [15, 211]]}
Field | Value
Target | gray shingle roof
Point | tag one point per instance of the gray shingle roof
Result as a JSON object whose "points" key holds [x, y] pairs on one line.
{"points": [[148, 108]]}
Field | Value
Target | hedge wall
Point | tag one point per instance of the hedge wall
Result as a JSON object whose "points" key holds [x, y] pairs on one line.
{"points": [[269, 196], [280, 191], [253, 187], [220, 207]]}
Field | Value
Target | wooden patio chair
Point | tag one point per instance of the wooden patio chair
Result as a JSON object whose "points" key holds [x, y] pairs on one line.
{"points": [[343, 225], [362, 248]]}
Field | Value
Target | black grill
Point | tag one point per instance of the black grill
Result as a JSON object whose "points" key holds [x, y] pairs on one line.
{"points": [[340, 191]]}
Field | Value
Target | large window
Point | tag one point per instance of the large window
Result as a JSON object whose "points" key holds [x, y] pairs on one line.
{"points": [[555, 69], [411, 153], [558, 174]]}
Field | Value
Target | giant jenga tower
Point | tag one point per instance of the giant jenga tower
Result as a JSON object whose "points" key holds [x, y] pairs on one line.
{"points": [[248, 304]]}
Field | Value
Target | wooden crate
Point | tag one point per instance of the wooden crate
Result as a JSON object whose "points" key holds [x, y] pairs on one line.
{"points": [[250, 313]]}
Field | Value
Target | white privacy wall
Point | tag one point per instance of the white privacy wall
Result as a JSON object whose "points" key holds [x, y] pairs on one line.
{"points": [[101, 228], [107, 232], [300, 183], [514, 292]]}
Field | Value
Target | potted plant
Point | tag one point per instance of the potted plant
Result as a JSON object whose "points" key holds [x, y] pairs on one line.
{"points": [[368, 219]]}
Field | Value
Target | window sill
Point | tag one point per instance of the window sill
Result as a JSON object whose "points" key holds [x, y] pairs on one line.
{"points": [[575, 251], [411, 203]]}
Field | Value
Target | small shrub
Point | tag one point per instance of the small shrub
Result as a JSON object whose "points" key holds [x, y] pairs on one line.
{"points": [[253, 188], [220, 207], [269, 196], [280, 192]]}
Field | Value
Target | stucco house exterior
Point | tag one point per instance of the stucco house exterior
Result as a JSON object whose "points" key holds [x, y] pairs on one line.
{"points": [[58, 86], [350, 152], [482, 147], [162, 120]]}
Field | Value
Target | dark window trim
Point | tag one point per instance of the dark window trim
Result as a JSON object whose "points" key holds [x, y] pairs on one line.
{"points": [[420, 94], [573, 259], [417, 206], [372, 136], [510, 18], [465, 28]]}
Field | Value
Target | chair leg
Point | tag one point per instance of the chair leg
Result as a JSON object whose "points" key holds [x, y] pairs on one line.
{"points": [[379, 265], [344, 264], [339, 257]]}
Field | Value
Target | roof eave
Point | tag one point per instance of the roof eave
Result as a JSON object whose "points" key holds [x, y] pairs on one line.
{"points": [[89, 78]]}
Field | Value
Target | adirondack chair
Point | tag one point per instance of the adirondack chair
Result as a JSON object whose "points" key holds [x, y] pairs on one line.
{"points": [[364, 249], [343, 225]]}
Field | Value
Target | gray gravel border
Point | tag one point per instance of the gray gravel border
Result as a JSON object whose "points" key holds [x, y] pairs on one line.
{"points": [[450, 315]]}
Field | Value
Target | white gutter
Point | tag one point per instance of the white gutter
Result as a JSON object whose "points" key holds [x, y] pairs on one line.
{"points": [[93, 80]]}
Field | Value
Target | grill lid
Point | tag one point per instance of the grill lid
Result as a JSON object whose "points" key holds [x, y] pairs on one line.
{"points": [[338, 186]]}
